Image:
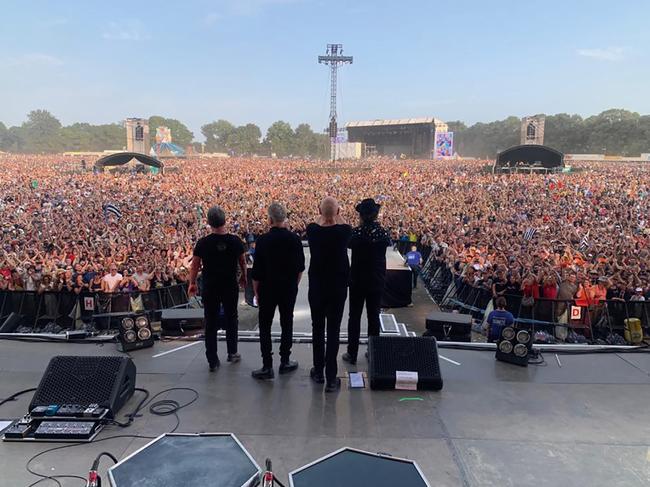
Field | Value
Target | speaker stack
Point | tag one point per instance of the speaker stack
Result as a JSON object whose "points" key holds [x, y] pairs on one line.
{"points": [[135, 333], [514, 346]]}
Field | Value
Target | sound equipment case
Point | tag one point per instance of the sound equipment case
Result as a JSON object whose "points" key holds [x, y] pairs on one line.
{"points": [[455, 327]]}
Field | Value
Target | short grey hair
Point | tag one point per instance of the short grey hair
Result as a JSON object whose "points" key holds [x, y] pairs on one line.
{"points": [[277, 213], [216, 217]]}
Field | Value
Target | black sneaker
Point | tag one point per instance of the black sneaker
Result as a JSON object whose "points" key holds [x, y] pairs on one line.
{"points": [[288, 366], [234, 357], [214, 365], [263, 373], [333, 385], [316, 376], [349, 358]]}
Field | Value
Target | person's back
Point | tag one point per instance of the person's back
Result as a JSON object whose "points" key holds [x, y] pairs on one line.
{"points": [[329, 262], [279, 259], [368, 243], [498, 319], [220, 258]]}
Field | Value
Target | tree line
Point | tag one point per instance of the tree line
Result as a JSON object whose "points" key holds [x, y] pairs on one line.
{"points": [[42, 132], [615, 131]]}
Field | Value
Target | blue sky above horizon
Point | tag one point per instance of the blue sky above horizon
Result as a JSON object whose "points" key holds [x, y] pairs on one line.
{"points": [[255, 60]]}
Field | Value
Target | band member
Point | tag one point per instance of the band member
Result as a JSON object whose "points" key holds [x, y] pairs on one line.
{"points": [[367, 274], [219, 254], [278, 267], [329, 271]]}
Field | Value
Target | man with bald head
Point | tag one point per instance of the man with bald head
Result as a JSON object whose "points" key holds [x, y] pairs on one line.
{"points": [[329, 271]]}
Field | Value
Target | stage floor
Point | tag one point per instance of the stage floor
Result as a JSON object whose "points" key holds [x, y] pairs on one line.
{"points": [[493, 424]]}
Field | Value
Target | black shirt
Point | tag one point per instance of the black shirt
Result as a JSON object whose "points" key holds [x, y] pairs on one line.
{"points": [[328, 246], [220, 256], [368, 243], [279, 259]]}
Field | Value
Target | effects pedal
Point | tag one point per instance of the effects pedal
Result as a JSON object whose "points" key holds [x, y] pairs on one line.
{"points": [[17, 431], [65, 430]]}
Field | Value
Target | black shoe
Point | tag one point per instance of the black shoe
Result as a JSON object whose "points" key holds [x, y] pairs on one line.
{"points": [[214, 365], [349, 358], [288, 366], [316, 376], [333, 385], [234, 357], [263, 373]]}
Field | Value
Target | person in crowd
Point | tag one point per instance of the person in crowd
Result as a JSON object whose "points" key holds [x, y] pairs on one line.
{"points": [[367, 274], [329, 271], [112, 280], [141, 278], [277, 270], [220, 255], [498, 319], [414, 261]]}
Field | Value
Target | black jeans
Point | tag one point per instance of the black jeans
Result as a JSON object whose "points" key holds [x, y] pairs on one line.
{"points": [[415, 270], [359, 294], [269, 300], [326, 303], [212, 300]]}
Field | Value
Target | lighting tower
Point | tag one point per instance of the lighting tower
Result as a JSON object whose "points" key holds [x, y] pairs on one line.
{"points": [[333, 58]]}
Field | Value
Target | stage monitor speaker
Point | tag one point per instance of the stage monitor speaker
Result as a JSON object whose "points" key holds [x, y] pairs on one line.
{"points": [[108, 381], [404, 362], [514, 346], [454, 327], [180, 459], [135, 333], [11, 323], [354, 468], [175, 321]]}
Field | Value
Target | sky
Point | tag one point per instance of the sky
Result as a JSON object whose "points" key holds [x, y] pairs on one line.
{"points": [[256, 60]]}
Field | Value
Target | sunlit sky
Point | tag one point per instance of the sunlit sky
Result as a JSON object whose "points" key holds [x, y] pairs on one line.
{"points": [[255, 60]]}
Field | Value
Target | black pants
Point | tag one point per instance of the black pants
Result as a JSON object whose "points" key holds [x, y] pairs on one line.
{"points": [[326, 302], [213, 299], [415, 270], [371, 295], [269, 300]]}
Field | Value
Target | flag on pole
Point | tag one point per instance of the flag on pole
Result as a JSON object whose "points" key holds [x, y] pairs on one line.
{"points": [[584, 243], [529, 234], [110, 208]]}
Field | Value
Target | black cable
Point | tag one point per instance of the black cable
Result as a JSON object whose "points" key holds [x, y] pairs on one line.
{"points": [[14, 396], [131, 417], [73, 445], [55, 478], [95, 464]]}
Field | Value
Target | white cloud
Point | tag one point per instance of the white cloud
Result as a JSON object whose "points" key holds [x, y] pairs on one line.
{"points": [[129, 30], [30, 60], [603, 54]]}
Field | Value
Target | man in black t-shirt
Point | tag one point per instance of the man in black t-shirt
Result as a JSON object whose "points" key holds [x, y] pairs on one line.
{"points": [[329, 272], [220, 254], [367, 274], [278, 267]]}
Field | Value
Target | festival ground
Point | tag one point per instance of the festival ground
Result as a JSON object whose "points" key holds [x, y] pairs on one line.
{"points": [[584, 423]]}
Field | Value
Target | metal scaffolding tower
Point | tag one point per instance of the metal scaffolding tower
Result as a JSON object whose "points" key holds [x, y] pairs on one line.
{"points": [[333, 58]]}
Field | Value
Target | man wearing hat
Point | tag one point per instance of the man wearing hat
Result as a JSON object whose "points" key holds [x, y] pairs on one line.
{"points": [[367, 273]]}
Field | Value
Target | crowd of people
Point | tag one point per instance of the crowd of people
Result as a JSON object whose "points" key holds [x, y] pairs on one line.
{"points": [[527, 231]]}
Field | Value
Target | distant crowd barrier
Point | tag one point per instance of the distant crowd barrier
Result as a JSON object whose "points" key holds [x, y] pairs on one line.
{"points": [[70, 310], [556, 317]]}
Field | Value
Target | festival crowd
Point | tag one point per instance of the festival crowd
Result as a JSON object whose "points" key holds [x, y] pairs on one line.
{"points": [[552, 236]]}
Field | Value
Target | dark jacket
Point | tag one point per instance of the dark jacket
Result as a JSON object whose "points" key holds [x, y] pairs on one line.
{"points": [[368, 243]]}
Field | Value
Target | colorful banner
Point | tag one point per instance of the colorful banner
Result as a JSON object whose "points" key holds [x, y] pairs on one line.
{"points": [[444, 145]]}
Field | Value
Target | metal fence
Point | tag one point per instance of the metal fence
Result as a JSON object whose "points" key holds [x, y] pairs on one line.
{"points": [[557, 317], [68, 309]]}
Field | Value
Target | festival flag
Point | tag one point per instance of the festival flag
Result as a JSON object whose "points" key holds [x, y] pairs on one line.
{"points": [[529, 234], [584, 243], [112, 209]]}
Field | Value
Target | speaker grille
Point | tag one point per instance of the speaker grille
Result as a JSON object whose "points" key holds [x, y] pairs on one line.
{"points": [[79, 380], [391, 354]]}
